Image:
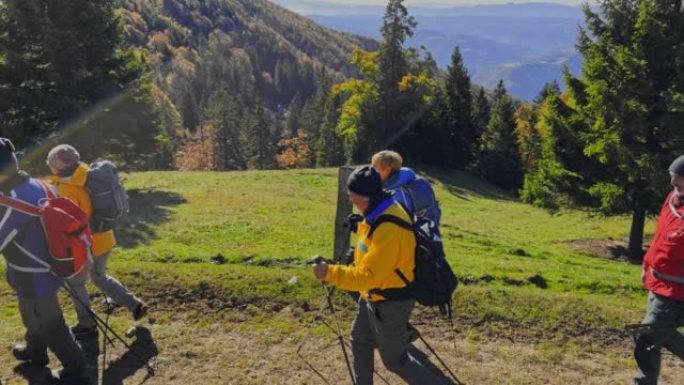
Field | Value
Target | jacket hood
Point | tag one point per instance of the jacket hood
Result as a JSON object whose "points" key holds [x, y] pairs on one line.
{"points": [[78, 178]]}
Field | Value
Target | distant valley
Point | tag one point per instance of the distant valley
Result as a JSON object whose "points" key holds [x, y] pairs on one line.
{"points": [[527, 45]]}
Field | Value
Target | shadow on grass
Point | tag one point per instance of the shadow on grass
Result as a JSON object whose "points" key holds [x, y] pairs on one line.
{"points": [[141, 351], [136, 358], [149, 208], [464, 185], [34, 374], [425, 360]]}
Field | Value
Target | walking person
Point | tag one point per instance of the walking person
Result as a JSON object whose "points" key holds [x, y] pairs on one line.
{"points": [[24, 245], [385, 302], [663, 277], [411, 190], [70, 176]]}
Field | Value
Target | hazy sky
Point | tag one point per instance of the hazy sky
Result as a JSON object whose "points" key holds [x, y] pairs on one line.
{"points": [[307, 6], [450, 2]]}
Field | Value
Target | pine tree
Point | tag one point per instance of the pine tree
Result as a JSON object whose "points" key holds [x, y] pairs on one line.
{"points": [[499, 91], [62, 57], [330, 149], [424, 119], [262, 145], [461, 130], [223, 113], [499, 160], [529, 137], [552, 152], [631, 96], [549, 89], [396, 28], [480, 117], [313, 115], [294, 112], [24, 81]]}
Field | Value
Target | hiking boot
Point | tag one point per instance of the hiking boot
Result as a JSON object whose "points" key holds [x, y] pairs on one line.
{"points": [[140, 311], [74, 374], [80, 331], [22, 353]]}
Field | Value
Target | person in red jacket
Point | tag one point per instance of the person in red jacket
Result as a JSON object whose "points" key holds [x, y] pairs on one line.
{"points": [[663, 277]]}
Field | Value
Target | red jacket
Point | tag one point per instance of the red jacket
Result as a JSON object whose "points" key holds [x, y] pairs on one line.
{"points": [[664, 260]]}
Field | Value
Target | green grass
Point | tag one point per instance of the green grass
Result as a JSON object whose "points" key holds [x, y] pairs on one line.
{"points": [[266, 224]]}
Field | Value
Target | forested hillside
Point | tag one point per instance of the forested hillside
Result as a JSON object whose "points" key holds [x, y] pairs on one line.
{"points": [[233, 70], [206, 71]]}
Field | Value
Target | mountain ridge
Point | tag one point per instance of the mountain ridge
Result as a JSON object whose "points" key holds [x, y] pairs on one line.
{"points": [[492, 38]]}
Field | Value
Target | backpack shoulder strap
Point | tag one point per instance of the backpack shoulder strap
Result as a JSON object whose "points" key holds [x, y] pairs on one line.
{"points": [[19, 205], [404, 207], [46, 189], [399, 222], [391, 219], [24, 207]]}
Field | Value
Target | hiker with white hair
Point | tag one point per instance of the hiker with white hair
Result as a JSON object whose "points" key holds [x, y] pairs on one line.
{"points": [[410, 189], [86, 185]]}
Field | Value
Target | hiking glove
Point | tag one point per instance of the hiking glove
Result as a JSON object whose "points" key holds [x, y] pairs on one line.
{"points": [[353, 220]]}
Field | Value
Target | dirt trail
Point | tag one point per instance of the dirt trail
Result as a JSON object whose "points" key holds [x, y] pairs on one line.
{"points": [[228, 352]]}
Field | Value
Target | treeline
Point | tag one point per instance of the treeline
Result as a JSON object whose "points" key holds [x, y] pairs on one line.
{"points": [[604, 142], [402, 100], [239, 84], [608, 140]]}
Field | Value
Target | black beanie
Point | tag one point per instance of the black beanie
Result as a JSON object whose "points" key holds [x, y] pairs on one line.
{"points": [[365, 181], [677, 166], [8, 159]]}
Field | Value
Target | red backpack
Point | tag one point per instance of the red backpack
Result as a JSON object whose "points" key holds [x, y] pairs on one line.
{"points": [[66, 230]]}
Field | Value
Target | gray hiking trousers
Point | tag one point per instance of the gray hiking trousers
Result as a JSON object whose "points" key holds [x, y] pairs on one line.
{"points": [[647, 350], [109, 285], [46, 329], [383, 325]]}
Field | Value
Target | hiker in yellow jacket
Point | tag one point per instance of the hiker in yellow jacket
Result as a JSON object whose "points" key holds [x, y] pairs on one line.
{"points": [[385, 304], [69, 175]]}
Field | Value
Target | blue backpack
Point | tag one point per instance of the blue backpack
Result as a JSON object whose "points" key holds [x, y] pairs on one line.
{"points": [[419, 198]]}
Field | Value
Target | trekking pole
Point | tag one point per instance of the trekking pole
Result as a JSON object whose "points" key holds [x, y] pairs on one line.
{"points": [[420, 336], [105, 337], [301, 345], [104, 326], [637, 328], [313, 369], [317, 317], [383, 379], [328, 297]]}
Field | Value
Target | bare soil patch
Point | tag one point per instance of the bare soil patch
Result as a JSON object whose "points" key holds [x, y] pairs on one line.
{"points": [[611, 249]]}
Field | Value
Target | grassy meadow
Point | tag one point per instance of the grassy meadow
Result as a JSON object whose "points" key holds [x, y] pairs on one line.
{"points": [[221, 257]]}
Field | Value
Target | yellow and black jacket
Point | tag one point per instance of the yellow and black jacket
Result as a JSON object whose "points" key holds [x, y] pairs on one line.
{"points": [[375, 259], [74, 188]]}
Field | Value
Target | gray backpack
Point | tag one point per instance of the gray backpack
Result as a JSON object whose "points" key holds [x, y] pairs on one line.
{"points": [[107, 195]]}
